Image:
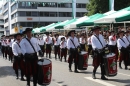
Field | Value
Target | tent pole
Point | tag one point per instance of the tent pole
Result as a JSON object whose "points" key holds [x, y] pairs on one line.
{"points": [[124, 25]]}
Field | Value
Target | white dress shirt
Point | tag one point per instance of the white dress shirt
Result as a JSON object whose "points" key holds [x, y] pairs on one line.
{"points": [[12, 40], [27, 48], [89, 41], [96, 43], [16, 49], [121, 44], [63, 44], [48, 40], [112, 42], [82, 40], [70, 44], [56, 42], [41, 41], [125, 38]]}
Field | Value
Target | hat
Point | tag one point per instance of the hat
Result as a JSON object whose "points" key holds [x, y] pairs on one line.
{"points": [[56, 35], [27, 29], [120, 32], [47, 33], [15, 35], [69, 33], [127, 31], [62, 38], [95, 28]]}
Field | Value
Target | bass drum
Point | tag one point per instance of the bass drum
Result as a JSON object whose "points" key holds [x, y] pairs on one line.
{"points": [[83, 60], [44, 71], [110, 65]]}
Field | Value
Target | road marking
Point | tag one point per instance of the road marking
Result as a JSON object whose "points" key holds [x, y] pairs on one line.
{"points": [[59, 84], [99, 81], [117, 72]]}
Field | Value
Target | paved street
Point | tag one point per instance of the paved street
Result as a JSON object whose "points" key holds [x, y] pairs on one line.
{"points": [[62, 77]]}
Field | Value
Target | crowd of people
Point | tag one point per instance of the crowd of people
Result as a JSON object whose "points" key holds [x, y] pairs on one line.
{"points": [[23, 49]]}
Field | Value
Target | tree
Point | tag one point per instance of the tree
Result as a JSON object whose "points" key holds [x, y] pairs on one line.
{"points": [[102, 6]]}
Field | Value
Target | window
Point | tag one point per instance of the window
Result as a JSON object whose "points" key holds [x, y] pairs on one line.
{"points": [[1, 21], [34, 13], [23, 24], [28, 4], [28, 13], [5, 6], [29, 24], [21, 13], [52, 14], [46, 13], [13, 7], [41, 13]]}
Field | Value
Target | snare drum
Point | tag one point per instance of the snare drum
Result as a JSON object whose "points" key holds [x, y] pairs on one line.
{"points": [[110, 64], [83, 60], [44, 71]]}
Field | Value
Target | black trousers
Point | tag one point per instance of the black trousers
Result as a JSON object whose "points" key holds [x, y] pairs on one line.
{"points": [[57, 50], [31, 69], [73, 55], [3, 50], [98, 61]]}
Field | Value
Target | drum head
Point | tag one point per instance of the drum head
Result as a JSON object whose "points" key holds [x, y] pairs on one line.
{"points": [[83, 52], [45, 62], [110, 55]]}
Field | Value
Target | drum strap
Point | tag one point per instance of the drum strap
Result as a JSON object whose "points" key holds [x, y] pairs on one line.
{"points": [[127, 39], [31, 45], [99, 40], [73, 43], [18, 44], [123, 40]]}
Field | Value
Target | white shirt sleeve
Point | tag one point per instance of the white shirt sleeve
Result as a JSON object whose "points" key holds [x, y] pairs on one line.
{"points": [[14, 49]]}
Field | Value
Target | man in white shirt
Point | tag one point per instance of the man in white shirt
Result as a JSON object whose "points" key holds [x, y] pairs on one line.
{"points": [[112, 42], [18, 57], [98, 44], [56, 43], [41, 43], [6, 46], [48, 42], [122, 45], [72, 45], [30, 47], [2, 45], [63, 49], [82, 42]]}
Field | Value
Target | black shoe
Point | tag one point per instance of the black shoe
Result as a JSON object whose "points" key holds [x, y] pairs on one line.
{"points": [[70, 70], [76, 71], [17, 77], [93, 76], [120, 67], [103, 78], [126, 68], [22, 79]]}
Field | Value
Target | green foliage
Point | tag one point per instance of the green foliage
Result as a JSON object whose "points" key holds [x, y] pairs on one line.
{"points": [[102, 6]]}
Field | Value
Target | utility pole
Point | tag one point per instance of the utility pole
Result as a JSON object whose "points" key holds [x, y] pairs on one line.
{"points": [[111, 5], [74, 9]]}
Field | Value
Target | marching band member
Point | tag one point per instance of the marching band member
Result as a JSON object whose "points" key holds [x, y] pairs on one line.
{"points": [[89, 43], [98, 44], [18, 57], [6, 47], [63, 49], [41, 43], [72, 45], [3, 45], [112, 42], [82, 42], [48, 42], [30, 47], [122, 47], [56, 46]]}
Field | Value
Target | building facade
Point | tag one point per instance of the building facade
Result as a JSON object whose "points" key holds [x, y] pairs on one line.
{"points": [[20, 14]]}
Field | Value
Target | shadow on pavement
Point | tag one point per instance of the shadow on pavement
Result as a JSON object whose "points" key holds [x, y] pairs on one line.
{"points": [[121, 81], [6, 71]]}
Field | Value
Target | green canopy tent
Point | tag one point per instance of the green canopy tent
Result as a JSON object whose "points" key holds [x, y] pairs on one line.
{"points": [[43, 29], [90, 21], [62, 26], [123, 18]]}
